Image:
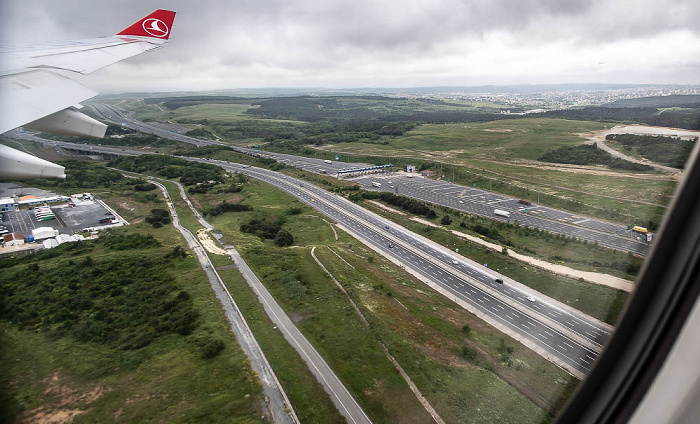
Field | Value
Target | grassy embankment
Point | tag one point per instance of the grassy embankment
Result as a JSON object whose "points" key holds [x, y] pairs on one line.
{"points": [[501, 155], [428, 337], [60, 363], [601, 302], [310, 402], [497, 154]]}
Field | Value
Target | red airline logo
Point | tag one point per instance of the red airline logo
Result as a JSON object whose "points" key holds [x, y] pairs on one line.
{"points": [[156, 25]]}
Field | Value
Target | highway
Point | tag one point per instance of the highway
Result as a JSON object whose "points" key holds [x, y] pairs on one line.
{"points": [[338, 393], [277, 404], [482, 202], [557, 332], [466, 199], [569, 338]]}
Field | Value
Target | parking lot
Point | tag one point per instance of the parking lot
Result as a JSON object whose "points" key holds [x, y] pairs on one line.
{"points": [[85, 213]]}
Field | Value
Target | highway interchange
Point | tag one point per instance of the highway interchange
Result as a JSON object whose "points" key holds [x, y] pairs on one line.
{"points": [[559, 333]]}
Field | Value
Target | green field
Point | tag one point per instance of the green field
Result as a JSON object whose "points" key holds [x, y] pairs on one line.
{"points": [[501, 153], [326, 318], [53, 369]]}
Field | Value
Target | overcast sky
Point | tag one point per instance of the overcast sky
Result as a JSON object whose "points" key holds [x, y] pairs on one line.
{"points": [[380, 43]]}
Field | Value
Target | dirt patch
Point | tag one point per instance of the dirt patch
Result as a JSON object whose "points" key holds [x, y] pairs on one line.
{"points": [[67, 403], [498, 130], [424, 222], [209, 244], [385, 207], [588, 170], [124, 205]]}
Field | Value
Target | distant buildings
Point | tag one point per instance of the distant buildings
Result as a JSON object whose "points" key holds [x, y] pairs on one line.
{"points": [[427, 173], [409, 168]]}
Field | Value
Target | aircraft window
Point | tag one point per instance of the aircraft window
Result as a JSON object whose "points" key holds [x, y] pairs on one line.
{"points": [[523, 253]]}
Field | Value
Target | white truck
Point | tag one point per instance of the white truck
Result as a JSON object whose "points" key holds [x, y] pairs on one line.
{"points": [[502, 213], [327, 161], [376, 184]]}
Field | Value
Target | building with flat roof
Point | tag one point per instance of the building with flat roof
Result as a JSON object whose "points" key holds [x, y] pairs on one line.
{"points": [[13, 239], [7, 204], [44, 233]]}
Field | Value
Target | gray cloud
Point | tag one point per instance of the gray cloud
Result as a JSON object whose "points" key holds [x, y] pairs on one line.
{"points": [[378, 42]]}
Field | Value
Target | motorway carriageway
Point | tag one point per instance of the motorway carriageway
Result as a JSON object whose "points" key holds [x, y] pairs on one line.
{"points": [[482, 202], [458, 197], [561, 334]]}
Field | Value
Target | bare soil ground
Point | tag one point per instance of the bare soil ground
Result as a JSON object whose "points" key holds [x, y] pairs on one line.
{"points": [[66, 405]]}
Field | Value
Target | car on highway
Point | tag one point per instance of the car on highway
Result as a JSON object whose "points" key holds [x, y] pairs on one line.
{"points": [[531, 298], [499, 280], [391, 245], [454, 261]]}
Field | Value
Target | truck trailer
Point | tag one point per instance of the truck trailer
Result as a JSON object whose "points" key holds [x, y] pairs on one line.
{"points": [[501, 212]]}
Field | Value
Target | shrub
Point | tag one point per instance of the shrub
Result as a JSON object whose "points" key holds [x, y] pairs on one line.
{"points": [[284, 238], [158, 218]]}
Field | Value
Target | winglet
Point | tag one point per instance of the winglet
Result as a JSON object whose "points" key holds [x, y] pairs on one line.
{"points": [[155, 25]]}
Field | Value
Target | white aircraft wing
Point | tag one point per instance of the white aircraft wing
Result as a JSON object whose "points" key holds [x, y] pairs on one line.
{"points": [[36, 94]]}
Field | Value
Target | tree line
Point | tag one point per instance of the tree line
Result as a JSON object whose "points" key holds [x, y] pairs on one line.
{"points": [[670, 151], [590, 154]]}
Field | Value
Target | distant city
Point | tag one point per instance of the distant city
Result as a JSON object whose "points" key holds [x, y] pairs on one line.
{"points": [[523, 97]]}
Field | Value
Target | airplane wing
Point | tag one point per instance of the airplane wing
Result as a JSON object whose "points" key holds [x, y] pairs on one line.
{"points": [[35, 93]]}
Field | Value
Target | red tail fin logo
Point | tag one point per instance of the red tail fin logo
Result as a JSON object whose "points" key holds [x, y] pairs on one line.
{"points": [[157, 25]]}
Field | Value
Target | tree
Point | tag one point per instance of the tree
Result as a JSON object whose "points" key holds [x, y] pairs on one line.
{"points": [[284, 238], [446, 220]]}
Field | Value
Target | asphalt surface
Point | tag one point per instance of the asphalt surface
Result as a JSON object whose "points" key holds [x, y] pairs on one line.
{"points": [[482, 202], [339, 395], [467, 199], [277, 405], [558, 332]]}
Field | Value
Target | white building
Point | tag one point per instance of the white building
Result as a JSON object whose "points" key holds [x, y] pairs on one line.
{"points": [[49, 243], [7, 204], [13, 239], [41, 233]]}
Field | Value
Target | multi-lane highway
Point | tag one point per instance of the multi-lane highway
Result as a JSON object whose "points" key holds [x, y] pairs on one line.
{"points": [[482, 202], [561, 334], [471, 200]]}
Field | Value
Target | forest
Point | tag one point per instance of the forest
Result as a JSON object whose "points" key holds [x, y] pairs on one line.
{"points": [[677, 118], [190, 173], [669, 151], [115, 300], [590, 154]]}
